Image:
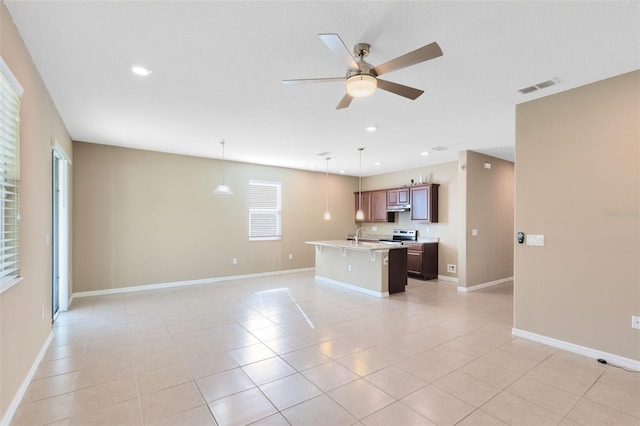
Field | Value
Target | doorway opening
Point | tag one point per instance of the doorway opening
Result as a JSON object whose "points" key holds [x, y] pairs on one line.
{"points": [[60, 229]]}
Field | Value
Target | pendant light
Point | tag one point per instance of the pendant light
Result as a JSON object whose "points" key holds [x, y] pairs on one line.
{"points": [[223, 189], [327, 215], [360, 213]]}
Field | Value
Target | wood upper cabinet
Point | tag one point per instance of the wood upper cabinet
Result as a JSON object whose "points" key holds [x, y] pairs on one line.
{"points": [[424, 203], [379, 206], [397, 196], [374, 206]]}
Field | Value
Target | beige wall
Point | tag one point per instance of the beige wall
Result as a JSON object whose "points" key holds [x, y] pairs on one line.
{"points": [[487, 205], [446, 229], [143, 217], [22, 330], [578, 184]]}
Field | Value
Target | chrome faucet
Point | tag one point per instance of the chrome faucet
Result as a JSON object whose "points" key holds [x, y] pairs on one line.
{"points": [[358, 230]]}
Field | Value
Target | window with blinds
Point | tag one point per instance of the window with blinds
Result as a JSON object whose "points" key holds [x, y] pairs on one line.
{"points": [[10, 92], [265, 205]]}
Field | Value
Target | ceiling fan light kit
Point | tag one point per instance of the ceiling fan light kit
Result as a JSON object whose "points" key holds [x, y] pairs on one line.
{"points": [[361, 79], [361, 85]]}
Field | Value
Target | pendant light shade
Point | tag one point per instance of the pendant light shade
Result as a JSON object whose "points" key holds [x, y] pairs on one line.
{"points": [[360, 213], [327, 215], [223, 189]]}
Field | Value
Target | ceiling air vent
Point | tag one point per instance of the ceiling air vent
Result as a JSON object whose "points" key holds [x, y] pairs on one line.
{"points": [[529, 89], [545, 84], [538, 86], [439, 148]]}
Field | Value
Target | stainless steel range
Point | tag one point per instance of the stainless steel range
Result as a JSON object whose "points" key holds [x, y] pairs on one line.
{"points": [[400, 235]]}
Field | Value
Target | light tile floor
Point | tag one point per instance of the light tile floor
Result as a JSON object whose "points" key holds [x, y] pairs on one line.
{"points": [[288, 350]]}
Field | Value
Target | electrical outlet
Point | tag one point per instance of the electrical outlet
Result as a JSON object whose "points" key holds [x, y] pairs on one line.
{"points": [[349, 268], [290, 256], [234, 261], [635, 322], [451, 268], [374, 228]]}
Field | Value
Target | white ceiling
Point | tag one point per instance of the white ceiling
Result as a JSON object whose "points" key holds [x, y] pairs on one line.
{"points": [[217, 68]]}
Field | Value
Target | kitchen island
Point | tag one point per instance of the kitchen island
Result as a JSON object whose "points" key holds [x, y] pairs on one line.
{"points": [[374, 268]]}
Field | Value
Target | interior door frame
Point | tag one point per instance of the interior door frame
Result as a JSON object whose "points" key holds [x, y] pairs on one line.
{"points": [[60, 247]]}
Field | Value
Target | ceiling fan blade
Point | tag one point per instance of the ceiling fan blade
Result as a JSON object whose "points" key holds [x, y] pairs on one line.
{"points": [[312, 80], [335, 43], [345, 102], [422, 54], [399, 89]]}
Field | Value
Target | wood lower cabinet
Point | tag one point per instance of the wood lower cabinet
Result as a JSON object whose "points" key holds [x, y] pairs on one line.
{"points": [[374, 206], [424, 203], [397, 270], [422, 260]]}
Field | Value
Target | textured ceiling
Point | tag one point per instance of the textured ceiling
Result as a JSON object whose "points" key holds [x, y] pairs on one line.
{"points": [[217, 68]]}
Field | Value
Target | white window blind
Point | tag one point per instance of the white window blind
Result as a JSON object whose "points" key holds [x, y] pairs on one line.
{"points": [[10, 92], [265, 210]]}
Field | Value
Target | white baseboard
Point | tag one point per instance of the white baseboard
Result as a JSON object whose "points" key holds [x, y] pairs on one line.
{"points": [[184, 283], [612, 359], [484, 285], [353, 287], [447, 278], [17, 399]]}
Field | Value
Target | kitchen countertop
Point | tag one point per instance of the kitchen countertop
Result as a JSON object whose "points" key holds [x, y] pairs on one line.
{"points": [[372, 238], [352, 245]]}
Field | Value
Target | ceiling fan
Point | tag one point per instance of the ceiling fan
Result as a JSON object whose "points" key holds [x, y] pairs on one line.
{"points": [[362, 78]]}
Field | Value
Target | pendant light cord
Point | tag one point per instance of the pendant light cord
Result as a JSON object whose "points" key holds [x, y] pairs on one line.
{"points": [[360, 182], [222, 143], [326, 187]]}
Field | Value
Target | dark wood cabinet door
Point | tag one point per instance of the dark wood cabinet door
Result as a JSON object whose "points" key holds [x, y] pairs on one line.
{"points": [[422, 260], [414, 262], [397, 196], [379, 206], [392, 197], [397, 270], [424, 203], [420, 203], [403, 196], [374, 207]]}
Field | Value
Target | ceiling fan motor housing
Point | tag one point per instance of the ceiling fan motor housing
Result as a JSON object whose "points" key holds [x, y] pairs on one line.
{"points": [[361, 49]]}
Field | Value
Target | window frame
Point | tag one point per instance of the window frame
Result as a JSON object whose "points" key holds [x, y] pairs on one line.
{"points": [[10, 93], [275, 210]]}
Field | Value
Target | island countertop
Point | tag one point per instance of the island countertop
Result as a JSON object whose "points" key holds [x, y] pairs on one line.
{"points": [[352, 245]]}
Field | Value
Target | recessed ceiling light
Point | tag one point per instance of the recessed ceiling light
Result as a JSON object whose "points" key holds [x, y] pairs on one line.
{"points": [[378, 163], [342, 171], [371, 129], [140, 70], [425, 153]]}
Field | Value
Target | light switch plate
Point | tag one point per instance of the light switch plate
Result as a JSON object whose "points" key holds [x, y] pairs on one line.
{"points": [[535, 240]]}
